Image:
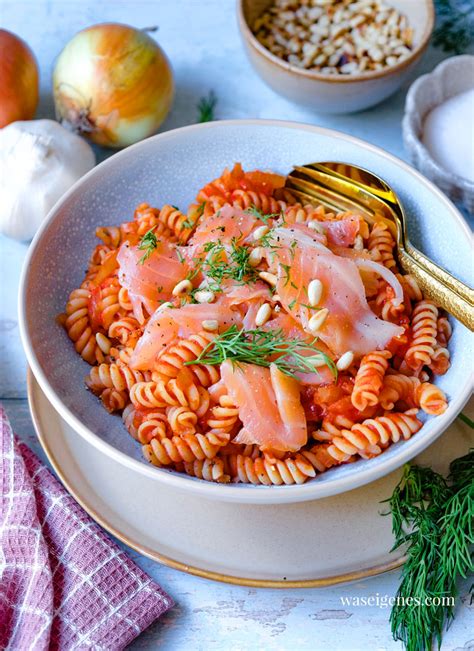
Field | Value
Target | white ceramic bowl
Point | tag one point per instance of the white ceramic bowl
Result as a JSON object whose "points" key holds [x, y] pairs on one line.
{"points": [[449, 78], [169, 168], [335, 93]]}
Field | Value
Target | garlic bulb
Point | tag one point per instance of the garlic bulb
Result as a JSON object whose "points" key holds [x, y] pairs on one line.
{"points": [[39, 161]]}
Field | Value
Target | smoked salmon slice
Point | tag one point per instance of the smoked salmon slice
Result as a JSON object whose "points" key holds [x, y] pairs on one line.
{"points": [[150, 280], [341, 232], [228, 224], [350, 324], [269, 406], [169, 323]]}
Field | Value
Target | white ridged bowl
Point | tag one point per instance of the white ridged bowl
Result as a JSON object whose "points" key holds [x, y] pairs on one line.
{"points": [[169, 168], [450, 78]]}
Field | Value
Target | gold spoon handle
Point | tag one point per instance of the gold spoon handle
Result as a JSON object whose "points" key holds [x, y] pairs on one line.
{"points": [[441, 274], [433, 287]]}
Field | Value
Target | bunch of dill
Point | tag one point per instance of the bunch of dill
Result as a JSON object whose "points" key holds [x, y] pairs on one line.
{"points": [[434, 519], [454, 25]]}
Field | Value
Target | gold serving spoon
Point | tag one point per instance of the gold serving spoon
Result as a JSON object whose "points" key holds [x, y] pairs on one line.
{"points": [[344, 187]]}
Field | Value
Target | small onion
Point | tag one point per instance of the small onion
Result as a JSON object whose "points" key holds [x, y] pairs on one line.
{"points": [[114, 84], [19, 87]]}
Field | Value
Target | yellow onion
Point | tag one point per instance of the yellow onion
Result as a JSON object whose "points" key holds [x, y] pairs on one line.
{"points": [[18, 80], [114, 84]]}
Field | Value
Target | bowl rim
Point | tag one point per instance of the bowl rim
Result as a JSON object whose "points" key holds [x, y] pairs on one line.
{"points": [[252, 40], [411, 110], [236, 492]]}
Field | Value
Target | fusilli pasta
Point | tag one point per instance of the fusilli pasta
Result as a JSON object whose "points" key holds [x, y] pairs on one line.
{"points": [[254, 339]]}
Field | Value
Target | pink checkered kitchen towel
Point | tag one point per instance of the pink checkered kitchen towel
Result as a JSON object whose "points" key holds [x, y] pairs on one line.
{"points": [[64, 584]]}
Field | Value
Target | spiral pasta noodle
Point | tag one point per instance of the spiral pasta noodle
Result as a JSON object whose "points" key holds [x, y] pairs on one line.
{"points": [[369, 379], [270, 471], [178, 223], [325, 456], [77, 324], [111, 236], [299, 214], [112, 376], [126, 330], [381, 245], [153, 424], [428, 397], [248, 260], [424, 331], [259, 200], [185, 448], [439, 363], [224, 416], [207, 469], [410, 287], [331, 428], [373, 435], [179, 391], [173, 359], [148, 218], [444, 331]]}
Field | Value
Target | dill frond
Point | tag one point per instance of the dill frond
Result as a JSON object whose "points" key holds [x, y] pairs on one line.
{"points": [[264, 347]]}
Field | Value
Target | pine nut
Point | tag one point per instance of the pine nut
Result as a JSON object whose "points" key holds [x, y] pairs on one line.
{"points": [[269, 278], [211, 325], [345, 361], [164, 306], [316, 226], [317, 320], [317, 361], [260, 232], [103, 342], [263, 314], [204, 296], [315, 291], [255, 257], [358, 243], [306, 35], [183, 287]]}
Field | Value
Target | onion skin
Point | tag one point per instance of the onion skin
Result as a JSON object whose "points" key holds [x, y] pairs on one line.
{"points": [[113, 84], [19, 80]]}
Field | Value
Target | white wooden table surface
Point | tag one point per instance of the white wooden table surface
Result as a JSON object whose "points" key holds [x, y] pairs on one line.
{"points": [[202, 41]]}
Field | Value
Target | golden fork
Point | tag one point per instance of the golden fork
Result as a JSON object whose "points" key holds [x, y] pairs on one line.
{"points": [[344, 187]]}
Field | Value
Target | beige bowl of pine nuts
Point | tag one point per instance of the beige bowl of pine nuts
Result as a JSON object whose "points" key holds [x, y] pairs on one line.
{"points": [[335, 56]]}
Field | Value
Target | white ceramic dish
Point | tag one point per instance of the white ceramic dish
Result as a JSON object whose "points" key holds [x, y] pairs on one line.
{"points": [[335, 93], [449, 78], [321, 543], [169, 168]]}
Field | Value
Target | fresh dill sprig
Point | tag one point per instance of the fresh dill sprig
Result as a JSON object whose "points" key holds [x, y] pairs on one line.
{"points": [[148, 243], [287, 273], [189, 223], [263, 348], [240, 268], [433, 518], [465, 419], [269, 241], [222, 262], [455, 25], [258, 214], [456, 534], [206, 106]]}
